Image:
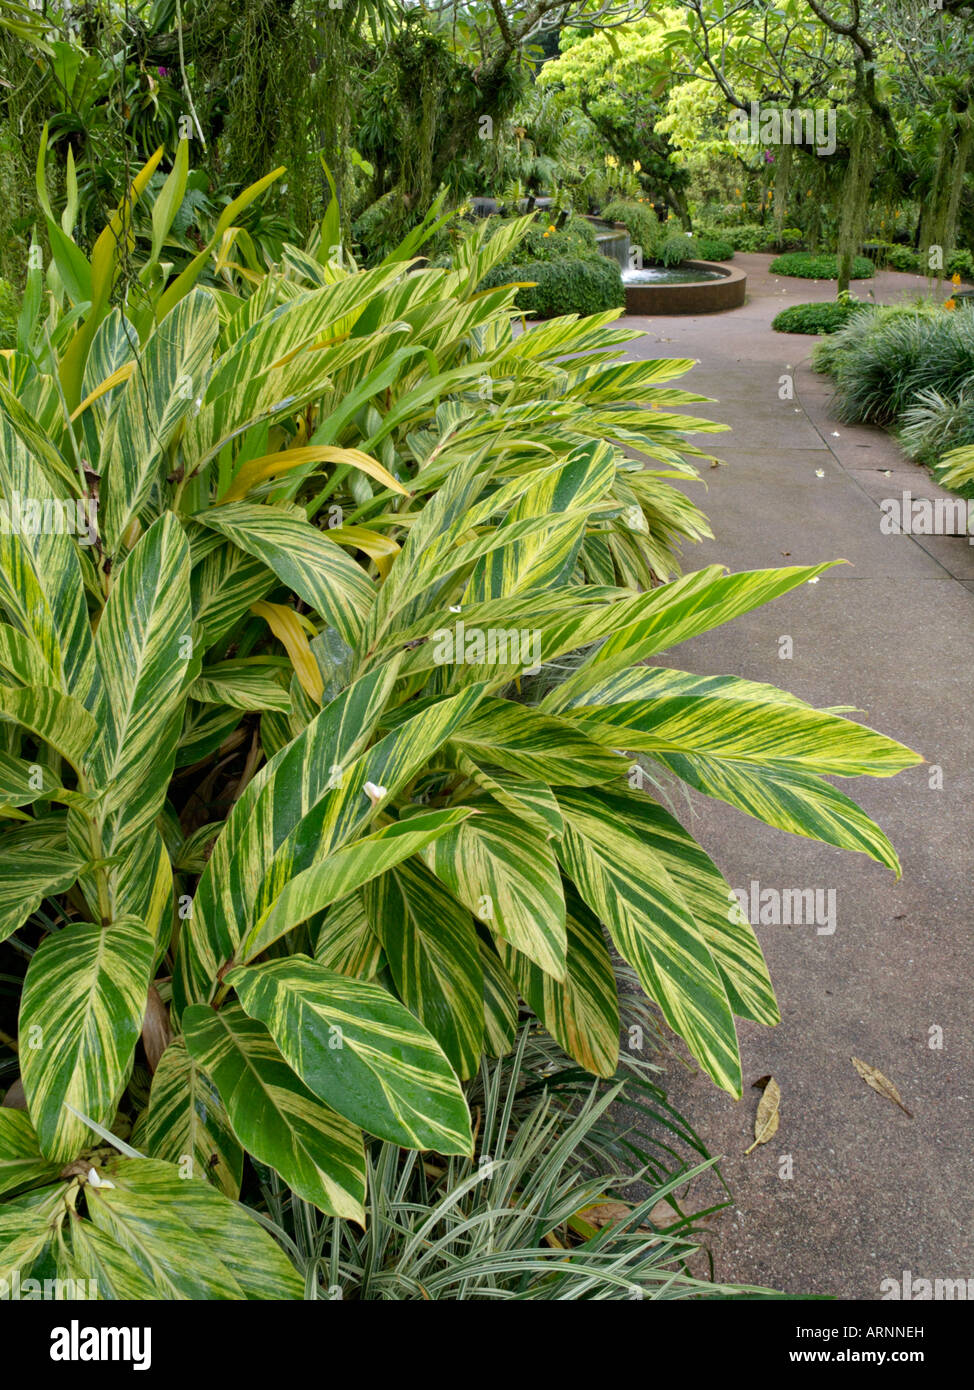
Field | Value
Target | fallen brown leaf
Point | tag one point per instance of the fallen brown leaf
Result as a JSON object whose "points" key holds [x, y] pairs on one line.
{"points": [[606, 1213], [767, 1118], [880, 1083]]}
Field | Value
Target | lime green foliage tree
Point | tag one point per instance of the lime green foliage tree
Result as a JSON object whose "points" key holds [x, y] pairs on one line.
{"points": [[620, 84]]}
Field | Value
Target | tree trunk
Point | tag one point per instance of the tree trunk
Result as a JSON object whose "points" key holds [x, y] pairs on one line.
{"points": [[855, 195]]}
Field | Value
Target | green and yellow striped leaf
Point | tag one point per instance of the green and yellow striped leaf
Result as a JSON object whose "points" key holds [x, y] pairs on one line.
{"points": [[505, 872], [673, 613], [724, 719], [707, 894], [500, 1003], [83, 1005], [190, 1240], [161, 391], [360, 1051], [346, 943], [21, 1162], [320, 1155], [187, 1120], [530, 800], [60, 720], [29, 874], [94, 1255], [343, 872], [145, 663], [41, 590], [27, 1224], [272, 806], [302, 557], [627, 886], [581, 1013], [433, 954], [250, 683], [540, 747]]}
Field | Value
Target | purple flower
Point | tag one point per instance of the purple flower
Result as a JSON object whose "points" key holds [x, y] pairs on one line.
{"points": [[768, 157], [163, 72]]}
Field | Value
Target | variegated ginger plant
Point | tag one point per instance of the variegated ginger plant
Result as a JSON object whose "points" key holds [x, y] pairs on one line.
{"points": [[409, 845]]}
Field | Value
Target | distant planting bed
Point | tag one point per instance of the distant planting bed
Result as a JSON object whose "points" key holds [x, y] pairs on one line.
{"points": [[808, 265], [817, 318]]}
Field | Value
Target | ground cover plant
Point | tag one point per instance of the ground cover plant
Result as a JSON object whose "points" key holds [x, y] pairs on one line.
{"points": [[806, 266], [313, 711], [911, 368], [881, 362], [566, 1202], [818, 318]]}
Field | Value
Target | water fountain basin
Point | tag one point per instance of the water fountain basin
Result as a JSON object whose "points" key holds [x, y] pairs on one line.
{"points": [[695, 287]]}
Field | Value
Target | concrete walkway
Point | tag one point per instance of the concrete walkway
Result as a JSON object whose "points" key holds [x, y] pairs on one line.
{"points": [[871, 1193]]}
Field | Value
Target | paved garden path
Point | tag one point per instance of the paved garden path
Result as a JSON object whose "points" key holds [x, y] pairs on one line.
{"points": [[872, 1193]]}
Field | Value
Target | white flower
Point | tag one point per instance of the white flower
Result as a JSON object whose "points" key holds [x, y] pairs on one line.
{"points": [[374, 793]]}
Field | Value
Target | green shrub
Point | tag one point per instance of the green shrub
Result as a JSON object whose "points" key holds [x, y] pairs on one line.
{"points": [[808, 265], [668, 247], [894, 257], [961, 263], [574, 241], [817, 318], [888, 255], [881, 362], [712, 249], [640, 221], [749, 236], [562, 286], [935, 425], [676, 248]]}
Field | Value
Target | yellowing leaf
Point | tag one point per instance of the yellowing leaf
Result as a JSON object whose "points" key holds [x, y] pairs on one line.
{"points": [[766, 1120], [382, 549], [879, 1083], [288, 628], [110, 382], [271, 465]]}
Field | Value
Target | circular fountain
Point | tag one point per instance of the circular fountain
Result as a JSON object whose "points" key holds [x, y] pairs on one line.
{"points": [[695, 287]]}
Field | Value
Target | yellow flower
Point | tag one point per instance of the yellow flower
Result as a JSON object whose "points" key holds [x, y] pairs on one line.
{"points": [[955, 279], [551, 229], [636, 166], [548, 232], [950, 303]]}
